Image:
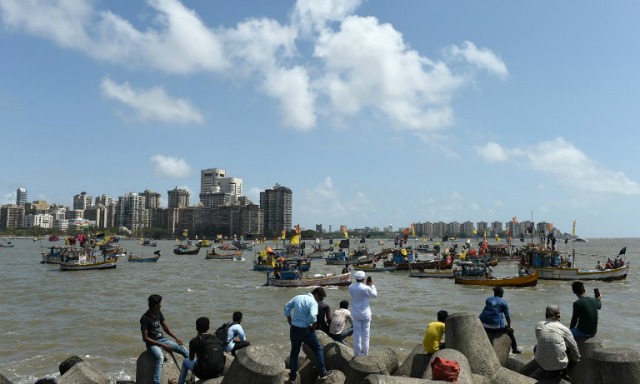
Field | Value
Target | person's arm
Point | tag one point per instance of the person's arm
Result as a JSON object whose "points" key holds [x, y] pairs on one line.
{"points": [[314, 314], [148, 340], [287, 310], [373, 292], [240, 333], [329, 316], [598, 302], [170, 333], [505, 310], [192, 350], [574, 317]]}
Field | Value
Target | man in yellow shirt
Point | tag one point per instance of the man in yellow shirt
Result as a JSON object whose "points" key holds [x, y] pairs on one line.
{"points": [[435, 331]]}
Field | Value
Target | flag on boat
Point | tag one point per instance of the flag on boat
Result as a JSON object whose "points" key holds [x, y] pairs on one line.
{"points": [[406, 231], [515, 219], [623, 251], [344, 231], [297, 229], [185, 233], [413, 230], [573, 232], [344, 243], [295, 239], [284, 234]]}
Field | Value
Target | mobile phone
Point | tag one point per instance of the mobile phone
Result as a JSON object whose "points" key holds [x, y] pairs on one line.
{"points": [[596, 292], [368, 279]]}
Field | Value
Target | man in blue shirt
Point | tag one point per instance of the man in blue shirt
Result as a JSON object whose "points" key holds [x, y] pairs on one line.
{"points": [[303, 324], [494, 315], [236, 338]]}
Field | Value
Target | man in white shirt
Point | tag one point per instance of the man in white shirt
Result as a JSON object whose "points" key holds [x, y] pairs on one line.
{"points": [[361, 314], [557, 349], [338, 329]]}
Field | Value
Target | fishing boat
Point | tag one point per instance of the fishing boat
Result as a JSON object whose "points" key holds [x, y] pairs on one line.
{"points": [[221, 255], [85, 263], [54, 256], [317, 253], [185, 249], [295, 279], [53, 238], [432, 273], [148, 243], [551, 266], [143, 259], [478, 274], [204, 243], [374, 268], [6, 244]]}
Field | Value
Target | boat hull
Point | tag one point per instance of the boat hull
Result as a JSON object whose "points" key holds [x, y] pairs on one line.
{"points": [[186, 252], [446, 274], [335, 280], [583, 274], [515, 281], [142, 259], [109, 264]]}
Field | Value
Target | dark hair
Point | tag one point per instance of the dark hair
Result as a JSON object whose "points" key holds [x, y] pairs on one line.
{"points": [[319, 292], [202, 324], [344, 304], [577, 287], [442, 315], [498, 291], [237, 317], [154, 300]]}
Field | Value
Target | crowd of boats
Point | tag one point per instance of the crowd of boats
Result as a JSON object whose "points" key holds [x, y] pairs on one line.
{"points": [[289, 265]]}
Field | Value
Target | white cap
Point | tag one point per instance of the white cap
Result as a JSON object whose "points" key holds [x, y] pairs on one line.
{"points": [[359, 275]]}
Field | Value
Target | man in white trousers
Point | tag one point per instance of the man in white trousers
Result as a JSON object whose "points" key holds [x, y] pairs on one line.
{"points": [[360, 293]]}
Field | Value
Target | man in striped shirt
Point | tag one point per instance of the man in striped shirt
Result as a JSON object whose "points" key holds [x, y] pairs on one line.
{"points": [[556, 349], [303, 324]]}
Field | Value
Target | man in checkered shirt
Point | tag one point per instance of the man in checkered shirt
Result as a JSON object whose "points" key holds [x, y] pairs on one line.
{"points": [[557, 349]]}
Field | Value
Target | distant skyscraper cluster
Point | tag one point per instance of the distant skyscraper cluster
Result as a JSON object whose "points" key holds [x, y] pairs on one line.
{"points": [[222, 210]]}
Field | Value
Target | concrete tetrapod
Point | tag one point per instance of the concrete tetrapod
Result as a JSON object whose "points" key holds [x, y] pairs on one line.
{"points": [[381, 361], [586, 347], [145, 367], [256, 364], [465, 376], [415, 365], [614, 366], [83, 373]]}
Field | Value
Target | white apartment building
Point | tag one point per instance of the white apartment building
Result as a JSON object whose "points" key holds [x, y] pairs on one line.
{"points": [[42, 220]]}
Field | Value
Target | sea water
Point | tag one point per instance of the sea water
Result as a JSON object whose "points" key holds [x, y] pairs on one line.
{"points": [[47, 315]]}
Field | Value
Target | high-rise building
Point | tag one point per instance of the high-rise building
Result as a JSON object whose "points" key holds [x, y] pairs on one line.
{"points": [[152, 199], [82, 201], [104, 200], [178, 198], [21, 197], [209, 178], [11, 216], [231, 185], [276, 204], [131, 212]]}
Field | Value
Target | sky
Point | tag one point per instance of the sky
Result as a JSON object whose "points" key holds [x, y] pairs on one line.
{"points": [[374, 113]]}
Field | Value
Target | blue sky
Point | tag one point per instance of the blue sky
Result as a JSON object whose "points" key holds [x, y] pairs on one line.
{"points": [[372, 112]]}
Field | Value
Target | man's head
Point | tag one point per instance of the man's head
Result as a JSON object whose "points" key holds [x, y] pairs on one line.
{"points": [[552, 312], [202, 324], [344, 304], [359, 275], [498, 291], [578, 288], [237, 317], [442, 316], [154, 300], [319, 294]]}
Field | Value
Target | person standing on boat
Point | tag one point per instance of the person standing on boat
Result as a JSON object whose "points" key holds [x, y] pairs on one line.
{"points": [[303, 324], [584, 320], [151, 325], [361, 314], [495, 317]]}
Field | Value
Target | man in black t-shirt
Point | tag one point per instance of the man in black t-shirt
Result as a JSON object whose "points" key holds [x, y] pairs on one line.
{"points": [[151, 325], [198, 361]]}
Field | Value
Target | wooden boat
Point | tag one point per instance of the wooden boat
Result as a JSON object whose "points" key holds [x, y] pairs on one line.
{"points": [[183, 249], [85, 263], [53, 238], [432, 273], [142, 259], [510, 281], [318, 253], [7, 244], [557, 273], [297, 280], [148, 243], [374, 268], [54, 256], [204, 243], [214, 255]]}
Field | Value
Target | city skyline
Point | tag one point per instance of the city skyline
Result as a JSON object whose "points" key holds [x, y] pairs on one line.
{"points": [[373, 113]]}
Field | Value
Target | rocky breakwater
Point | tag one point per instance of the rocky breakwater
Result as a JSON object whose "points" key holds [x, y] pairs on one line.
{"points": [[481, 360]]}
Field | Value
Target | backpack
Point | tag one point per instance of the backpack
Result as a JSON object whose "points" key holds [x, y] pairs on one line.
{"points": [[446, 370], [214, 358]]}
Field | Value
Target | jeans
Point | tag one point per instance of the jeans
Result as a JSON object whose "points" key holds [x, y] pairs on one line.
{"points": [[159, 355], [509, 332], [361, 329], [187, 365], [308, 336], [343, 335], [578, 334]]}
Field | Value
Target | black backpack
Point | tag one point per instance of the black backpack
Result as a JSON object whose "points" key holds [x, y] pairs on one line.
{"points": [[214, 357]]}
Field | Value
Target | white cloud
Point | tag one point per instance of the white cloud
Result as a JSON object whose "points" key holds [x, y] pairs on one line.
{"points": [[323, 203], [492, 153], [482, 58], [383, 77], [153, 104], [169, 166], [9, 198], [567, 165]]}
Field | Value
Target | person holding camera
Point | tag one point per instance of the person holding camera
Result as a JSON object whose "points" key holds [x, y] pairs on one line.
{"points": [[360, 293], [584, 320]]}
